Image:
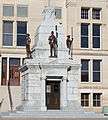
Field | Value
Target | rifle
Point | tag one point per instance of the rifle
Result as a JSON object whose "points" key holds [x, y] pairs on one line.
{"points": [[71, 48], [56, 38]]}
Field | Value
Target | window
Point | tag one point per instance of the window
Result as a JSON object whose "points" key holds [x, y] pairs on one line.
{"points": [[4, 72], [14, 73], [22, 11], [58, 13], [96, 70], [8, 10], [84, 13], [96, 13], [7, 33], [21, 33], [85, 99], [84, 70], [96, 99], [84, 35], [96, 36]]}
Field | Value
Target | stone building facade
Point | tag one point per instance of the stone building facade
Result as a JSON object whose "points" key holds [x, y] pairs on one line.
{"points": [[85, 21]]}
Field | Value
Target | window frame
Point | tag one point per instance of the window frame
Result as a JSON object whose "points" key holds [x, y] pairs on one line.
{"points": [[96, 71], [96, 36], [3, 69], [84, 100], [60, 16], [7, 33], [84, 36], [12, 68], [94, 13], [96, 100], [8, 5], [85, 71], [19, 6], [21, 34], [85, 14], [7, 73]]}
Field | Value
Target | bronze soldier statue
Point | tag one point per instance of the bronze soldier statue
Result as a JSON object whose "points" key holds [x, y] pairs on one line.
{"points": [[69, 44], [28, 41], [53, 44]]}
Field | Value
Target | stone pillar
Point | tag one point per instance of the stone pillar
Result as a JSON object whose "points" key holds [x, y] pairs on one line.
{"points": [[64, 93], [43, 95]]}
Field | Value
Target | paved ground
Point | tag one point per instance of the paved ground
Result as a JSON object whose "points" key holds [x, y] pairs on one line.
{"points": [[29, 118]]}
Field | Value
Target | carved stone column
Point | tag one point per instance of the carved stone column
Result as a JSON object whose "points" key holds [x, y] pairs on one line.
{"points": [[43, 94], [64, 93]]}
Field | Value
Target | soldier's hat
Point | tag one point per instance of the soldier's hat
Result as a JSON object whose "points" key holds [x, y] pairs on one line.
{"points": [[52, 32], [68, 36], [27, 34]]}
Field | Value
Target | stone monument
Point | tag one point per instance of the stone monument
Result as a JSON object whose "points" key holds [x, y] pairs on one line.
{"points": [[50, 83]]}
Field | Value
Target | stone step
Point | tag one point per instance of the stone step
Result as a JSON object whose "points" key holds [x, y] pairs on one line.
{"points": [[31, 118], [52, 114]]}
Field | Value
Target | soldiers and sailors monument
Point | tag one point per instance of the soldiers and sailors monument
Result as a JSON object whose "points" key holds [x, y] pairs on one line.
{"points": [[50, 78]]}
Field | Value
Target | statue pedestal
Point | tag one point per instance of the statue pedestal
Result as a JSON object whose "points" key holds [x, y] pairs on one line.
{"points": [[34, 83]]}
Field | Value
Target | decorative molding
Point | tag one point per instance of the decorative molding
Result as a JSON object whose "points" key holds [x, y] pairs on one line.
{"points": [[91, 87]]}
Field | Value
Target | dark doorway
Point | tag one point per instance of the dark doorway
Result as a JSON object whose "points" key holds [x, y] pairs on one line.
{"points": [[53, 95]]}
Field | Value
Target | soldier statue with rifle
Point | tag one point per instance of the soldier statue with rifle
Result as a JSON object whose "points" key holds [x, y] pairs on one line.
{"points": [[53, 45], [69, 44], [28, 51]]}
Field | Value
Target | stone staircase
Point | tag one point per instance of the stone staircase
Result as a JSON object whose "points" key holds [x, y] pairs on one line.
{"points": [[33, 118], [52, 115]]}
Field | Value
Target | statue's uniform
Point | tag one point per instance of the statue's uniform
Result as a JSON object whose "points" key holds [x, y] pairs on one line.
{"points": [[28, 51], [69, 43], [53, 45]]}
